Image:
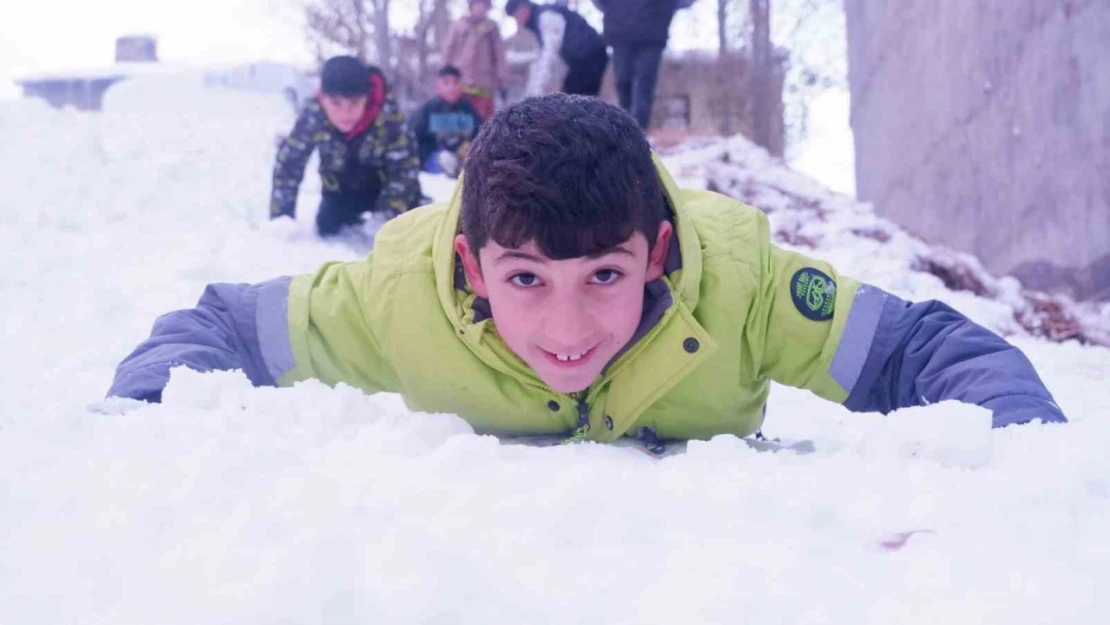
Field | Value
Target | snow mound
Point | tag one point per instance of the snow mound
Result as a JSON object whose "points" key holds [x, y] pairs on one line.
{"points": [[957, 436], [234, 504], [18, 111], [811, 219], [110, 219], [189, 94]]}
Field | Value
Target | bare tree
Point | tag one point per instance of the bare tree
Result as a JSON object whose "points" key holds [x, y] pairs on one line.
{"points": [[382, 33], [792, 41], [762, 98], [358, 27], [722, 27], [732, 39], [338, 24], [813, 38], [433, 19], [422, 32]]}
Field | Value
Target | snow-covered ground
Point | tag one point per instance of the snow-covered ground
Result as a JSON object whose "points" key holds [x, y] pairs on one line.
{"points": [[313, 505]]}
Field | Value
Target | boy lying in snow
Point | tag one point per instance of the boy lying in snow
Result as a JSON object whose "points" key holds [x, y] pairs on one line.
{"points": [[570, 287]]}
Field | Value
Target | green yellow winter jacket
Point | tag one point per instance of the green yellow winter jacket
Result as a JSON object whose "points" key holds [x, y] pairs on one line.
{"points": [[733, 312]]}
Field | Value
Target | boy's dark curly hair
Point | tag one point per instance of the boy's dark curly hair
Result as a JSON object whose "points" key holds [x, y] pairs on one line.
{"points": [[570, 172]]}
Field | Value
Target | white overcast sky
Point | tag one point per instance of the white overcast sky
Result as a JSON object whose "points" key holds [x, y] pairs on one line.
{"points": [[40, 36], [67, 33]]}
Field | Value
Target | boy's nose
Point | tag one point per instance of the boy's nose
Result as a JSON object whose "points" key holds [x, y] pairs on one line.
{"points": [[568, 323]]}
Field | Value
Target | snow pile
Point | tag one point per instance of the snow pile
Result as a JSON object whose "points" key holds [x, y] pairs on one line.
{"points": [[813, 220], [313, 505], [111, 219], [189, 95], [958, 436]]}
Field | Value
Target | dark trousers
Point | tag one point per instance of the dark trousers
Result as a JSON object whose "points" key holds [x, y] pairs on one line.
{"points": [[636, 66], [338, 210], [584, 75]]}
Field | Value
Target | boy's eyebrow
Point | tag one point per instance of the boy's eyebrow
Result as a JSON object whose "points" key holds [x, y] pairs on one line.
{"points": [[513, 254], [619, 249]]}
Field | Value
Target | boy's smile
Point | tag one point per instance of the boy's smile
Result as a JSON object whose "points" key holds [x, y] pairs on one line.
{"points": [[570, 360], [567, 319]]}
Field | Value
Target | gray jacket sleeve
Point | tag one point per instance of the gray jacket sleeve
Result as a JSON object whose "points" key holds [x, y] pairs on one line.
{"points": [[906, 354], [234, 326]]}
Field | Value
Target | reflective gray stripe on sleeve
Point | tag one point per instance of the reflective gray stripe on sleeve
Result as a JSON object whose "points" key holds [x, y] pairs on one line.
{"points": [[271, 319], [859, 332]]}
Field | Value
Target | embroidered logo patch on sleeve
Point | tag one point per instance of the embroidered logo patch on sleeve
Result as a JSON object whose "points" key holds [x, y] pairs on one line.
{"points": [[814, 294]]}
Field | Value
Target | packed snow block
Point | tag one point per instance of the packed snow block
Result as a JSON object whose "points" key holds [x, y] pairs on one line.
{"points": [[955, 434]]}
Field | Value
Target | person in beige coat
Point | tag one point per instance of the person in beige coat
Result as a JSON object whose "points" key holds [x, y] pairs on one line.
{"points": [[474, 45]]}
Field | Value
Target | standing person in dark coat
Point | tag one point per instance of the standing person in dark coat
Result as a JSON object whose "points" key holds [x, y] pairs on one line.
{"points": [[638, 31], [368, 160], [562, 33]]}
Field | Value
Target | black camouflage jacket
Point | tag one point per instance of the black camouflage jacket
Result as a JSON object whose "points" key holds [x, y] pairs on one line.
{"points": [[383, 157]]}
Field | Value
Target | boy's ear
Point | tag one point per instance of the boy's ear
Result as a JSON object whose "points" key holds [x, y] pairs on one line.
{"points": [[658, 257], [471, 267]]}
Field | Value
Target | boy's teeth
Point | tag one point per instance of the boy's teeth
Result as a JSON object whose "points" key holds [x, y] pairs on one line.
{"points": [[568, 358]]}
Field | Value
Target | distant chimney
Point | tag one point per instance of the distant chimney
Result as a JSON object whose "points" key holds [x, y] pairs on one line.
{"points": [[136, 49]]}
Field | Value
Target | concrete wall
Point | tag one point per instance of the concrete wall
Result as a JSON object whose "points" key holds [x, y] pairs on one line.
{"points": [[985, 126]]}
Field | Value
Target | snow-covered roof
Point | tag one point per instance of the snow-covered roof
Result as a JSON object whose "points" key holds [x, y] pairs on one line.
{"points": [[104, 72], [129, 69]]}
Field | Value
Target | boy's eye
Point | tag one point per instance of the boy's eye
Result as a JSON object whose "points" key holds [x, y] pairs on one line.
{"points": [[525, 279], [606, 276]]}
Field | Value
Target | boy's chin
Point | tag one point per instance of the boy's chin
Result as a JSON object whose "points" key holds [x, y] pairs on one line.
{"points": [[568, 384], [568, 388]]}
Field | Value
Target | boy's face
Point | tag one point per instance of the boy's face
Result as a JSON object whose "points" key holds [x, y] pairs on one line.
{"points": [[449, 88], [566, 318], [479, 10], [343, 112]]}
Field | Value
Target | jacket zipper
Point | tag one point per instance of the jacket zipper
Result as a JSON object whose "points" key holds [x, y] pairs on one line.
{"points": [[651, 441], [582, 428], [582, 399]]}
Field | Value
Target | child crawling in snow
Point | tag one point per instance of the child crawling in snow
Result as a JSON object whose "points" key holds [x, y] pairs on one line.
{"points": [[570, 287]]}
